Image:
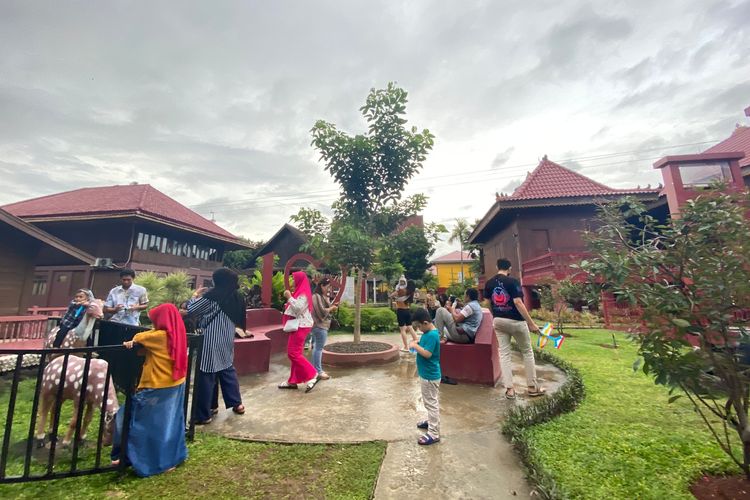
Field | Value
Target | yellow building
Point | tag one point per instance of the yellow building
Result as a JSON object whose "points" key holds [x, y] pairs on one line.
{"points": [[448, 269]]}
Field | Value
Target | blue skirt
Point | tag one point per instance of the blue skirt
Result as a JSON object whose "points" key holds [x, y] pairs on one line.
{"points": [[156, 439]]}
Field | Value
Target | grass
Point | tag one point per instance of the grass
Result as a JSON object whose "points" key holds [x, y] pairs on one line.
{"points": [[625, 440], [216, 467]]}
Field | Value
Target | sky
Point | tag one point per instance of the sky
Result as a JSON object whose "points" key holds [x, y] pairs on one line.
{"points": [[212, 102]]}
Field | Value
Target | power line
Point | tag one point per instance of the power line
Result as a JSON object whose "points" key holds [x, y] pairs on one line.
{"points": [[326, 194]]}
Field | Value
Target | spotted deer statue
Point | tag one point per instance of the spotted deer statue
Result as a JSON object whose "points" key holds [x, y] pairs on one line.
{"points": [[78, 336], [95, 385]]}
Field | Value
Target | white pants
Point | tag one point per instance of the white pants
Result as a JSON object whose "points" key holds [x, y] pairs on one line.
{"points": [[431, 400], [519, 330]]}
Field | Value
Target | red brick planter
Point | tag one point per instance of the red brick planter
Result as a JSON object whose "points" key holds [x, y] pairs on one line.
{"points": [[360, 358]]}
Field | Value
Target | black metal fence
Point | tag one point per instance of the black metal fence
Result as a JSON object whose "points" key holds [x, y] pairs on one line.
{"points": [[29, 452]]}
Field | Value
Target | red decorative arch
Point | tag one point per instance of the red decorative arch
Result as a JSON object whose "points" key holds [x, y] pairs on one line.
{"points": [[305, 257]]}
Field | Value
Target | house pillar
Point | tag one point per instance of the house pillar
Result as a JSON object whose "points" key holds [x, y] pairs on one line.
{"points": [[267, 281], [527, 300]]}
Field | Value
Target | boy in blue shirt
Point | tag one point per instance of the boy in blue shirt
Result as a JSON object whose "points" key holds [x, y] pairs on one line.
{"points": [[428, 367]]}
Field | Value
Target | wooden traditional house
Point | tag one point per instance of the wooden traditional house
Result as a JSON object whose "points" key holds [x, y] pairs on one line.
{"points": [[22, 247], [539, 227], [133, 226]]}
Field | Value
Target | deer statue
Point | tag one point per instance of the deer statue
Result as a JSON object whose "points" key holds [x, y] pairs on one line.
{"points": [[95, 385]]}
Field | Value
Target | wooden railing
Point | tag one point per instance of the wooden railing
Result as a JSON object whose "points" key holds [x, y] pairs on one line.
{"points": [[47, 311], [552, 265], [22, 327]]}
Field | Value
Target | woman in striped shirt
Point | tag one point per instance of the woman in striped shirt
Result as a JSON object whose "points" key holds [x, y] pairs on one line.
{"points": [[219, 310]]}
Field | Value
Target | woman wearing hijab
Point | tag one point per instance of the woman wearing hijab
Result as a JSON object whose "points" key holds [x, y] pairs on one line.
{"points": [[73, 316], [219, 311], [156, 440], [299, 305]]}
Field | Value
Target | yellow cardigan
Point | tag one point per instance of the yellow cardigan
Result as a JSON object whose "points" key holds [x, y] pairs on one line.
{"points": [[157, 369]]}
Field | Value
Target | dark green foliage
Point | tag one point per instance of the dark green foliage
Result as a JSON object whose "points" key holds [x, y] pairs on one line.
{"points": [[374, 319], [688, 277], [242, 259], [413, 249]]}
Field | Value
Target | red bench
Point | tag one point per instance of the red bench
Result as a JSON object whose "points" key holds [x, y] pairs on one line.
{"points": [[253, 355], [477, 363]]}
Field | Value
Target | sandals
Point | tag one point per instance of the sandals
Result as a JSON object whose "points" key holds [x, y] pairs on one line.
{"points": [[311, 385], [287, 385], [427, 440], [510, 394], [323, 376], [422, 425], [214, 411], [239, 409], [536, 391]]}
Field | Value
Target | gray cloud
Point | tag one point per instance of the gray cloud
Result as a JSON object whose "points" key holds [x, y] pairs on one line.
{"points": [[503, 157], [213, 104]]}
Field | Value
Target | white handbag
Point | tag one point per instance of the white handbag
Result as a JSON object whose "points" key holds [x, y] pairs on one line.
{"points": [[291, 325]]}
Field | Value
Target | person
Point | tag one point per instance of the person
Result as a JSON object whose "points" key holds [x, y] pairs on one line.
{"points": [[127, 300], [469, 317], [322, 310], [254, 300], [428, 368], [219, 311], [156, 439], [432, 303], [511, 319], [73, 315], [402, 298], [299, 305]]}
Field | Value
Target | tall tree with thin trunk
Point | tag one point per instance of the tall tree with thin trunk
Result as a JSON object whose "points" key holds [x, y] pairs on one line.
{"points": [[460, 233], [372, 170]]}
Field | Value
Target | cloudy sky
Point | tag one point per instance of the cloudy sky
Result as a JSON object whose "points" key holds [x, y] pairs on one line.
{"points": [[212, 102]]}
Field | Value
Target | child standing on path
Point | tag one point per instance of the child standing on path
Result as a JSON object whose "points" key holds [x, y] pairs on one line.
{"points": [[428, 367]]}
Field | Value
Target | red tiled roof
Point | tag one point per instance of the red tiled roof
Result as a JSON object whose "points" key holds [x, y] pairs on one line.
{"points": [[550, 180], [454, 256], [136, 199], [738, 141]]}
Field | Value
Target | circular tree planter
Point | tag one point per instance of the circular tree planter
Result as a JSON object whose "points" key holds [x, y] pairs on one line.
{"points": [[364, 353]]}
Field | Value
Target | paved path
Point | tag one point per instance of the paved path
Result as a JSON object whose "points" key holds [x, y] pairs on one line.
{"points": [[383, 403]]}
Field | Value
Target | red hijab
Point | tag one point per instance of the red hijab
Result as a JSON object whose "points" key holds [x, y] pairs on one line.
{"points": [[166, 317], [301, 289]]}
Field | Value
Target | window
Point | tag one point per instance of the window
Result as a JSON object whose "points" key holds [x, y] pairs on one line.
{"points": [[703, 174], [39, 285], [162, 244]]}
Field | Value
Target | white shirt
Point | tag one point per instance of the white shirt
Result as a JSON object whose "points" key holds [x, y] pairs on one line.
{"points": [[135, 295]]}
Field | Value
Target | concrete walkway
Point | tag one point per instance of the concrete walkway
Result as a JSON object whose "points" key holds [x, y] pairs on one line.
{"points": [[473, 460]]}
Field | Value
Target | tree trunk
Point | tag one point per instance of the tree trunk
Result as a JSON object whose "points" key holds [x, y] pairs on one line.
{"points": [[359, 275], [461, 256]]}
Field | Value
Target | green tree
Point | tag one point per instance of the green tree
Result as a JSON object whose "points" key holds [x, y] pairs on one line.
{"points": [[414, 249], [242, 259], [688, 277], [460, 233], [372, 170], [311, 222]]}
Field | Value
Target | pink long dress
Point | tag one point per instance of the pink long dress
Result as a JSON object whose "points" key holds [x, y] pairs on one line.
{"points": [[300, 305]]}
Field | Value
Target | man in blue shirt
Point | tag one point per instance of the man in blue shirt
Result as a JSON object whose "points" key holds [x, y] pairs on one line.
{"points": [[428, 367], [460, 325], [125, 302]]}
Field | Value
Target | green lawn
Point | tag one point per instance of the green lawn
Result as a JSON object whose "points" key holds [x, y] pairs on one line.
{"points": [[217, 467], [625, 440]]}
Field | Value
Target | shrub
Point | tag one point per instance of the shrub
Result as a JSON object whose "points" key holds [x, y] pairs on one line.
{"points": [[374, 319]]}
